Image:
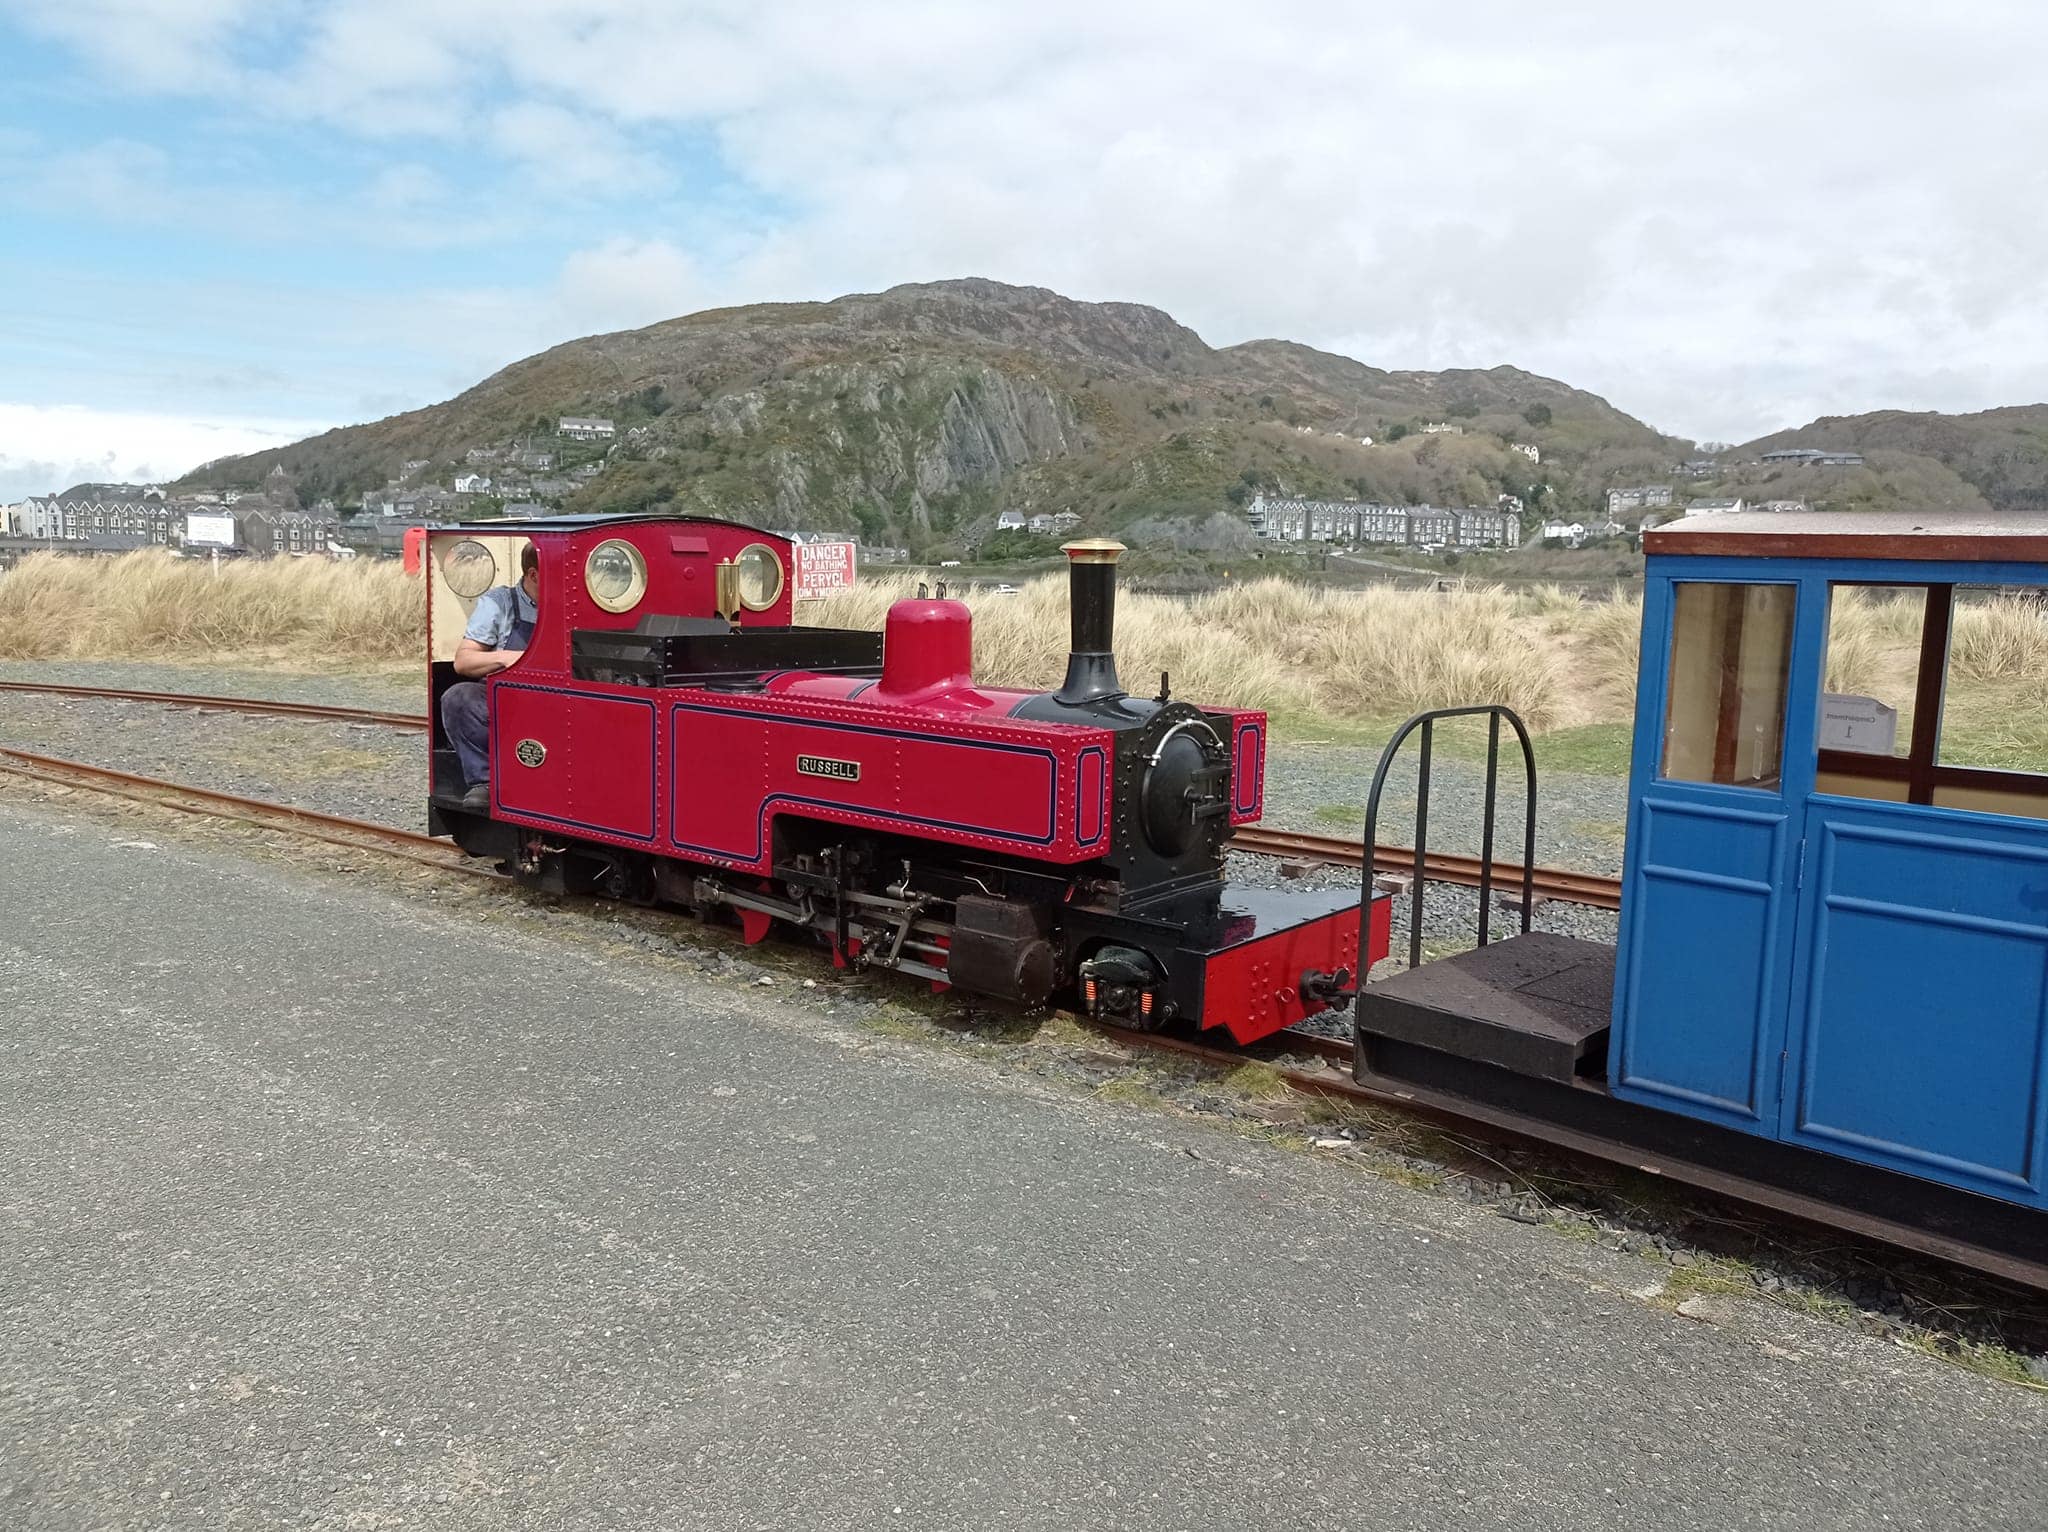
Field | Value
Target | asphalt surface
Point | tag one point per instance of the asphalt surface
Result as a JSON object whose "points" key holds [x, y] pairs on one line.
{"points": [[327, 1208]]}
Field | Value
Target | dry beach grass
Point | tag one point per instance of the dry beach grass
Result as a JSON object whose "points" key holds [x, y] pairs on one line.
{"points": [[152, 605], [1316, 658]]}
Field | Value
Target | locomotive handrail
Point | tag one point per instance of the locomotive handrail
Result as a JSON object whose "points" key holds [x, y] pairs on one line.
{"points": [[1494, 712]]}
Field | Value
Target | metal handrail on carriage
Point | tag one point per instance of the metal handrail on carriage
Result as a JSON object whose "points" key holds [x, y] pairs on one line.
{"points": [[1494, 712]]}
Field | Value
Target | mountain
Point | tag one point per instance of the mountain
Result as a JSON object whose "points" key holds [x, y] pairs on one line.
{"points": [[1993, 460], [917, 414]]}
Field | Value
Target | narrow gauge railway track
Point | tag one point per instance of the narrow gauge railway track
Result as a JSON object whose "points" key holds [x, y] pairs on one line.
{"points": [[1328, 1077], [1593, 889], [413, 721], [356, 834]]}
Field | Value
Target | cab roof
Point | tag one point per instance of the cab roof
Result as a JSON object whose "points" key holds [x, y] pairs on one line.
{"points": [[525, 526], [1936, 536]]}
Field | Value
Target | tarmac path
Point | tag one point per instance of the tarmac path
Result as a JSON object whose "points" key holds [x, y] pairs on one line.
{"points": [[323, 1206]]}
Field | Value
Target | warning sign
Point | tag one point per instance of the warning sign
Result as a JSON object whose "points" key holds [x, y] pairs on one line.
{"points": [[821, 569]]}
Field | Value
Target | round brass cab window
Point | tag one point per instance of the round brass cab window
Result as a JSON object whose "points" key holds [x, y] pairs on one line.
{"points": [[469, 568], [760, 577], [615, 575]]}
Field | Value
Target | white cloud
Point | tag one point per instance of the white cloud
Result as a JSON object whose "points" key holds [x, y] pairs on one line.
{"points": [[625, 283], [1724, 220], [45, 448], [571, 150]]}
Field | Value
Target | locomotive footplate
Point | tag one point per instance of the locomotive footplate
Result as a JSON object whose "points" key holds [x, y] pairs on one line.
{"points": [[1266, 958]]}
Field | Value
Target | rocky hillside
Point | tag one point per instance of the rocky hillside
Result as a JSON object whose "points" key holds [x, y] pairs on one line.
{"points": [[917, 414], [1995, 459]]}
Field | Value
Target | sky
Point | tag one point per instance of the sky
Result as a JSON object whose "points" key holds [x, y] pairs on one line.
{"points": [[229, 223]]}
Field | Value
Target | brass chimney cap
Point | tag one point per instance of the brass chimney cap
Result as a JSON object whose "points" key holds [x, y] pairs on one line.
{"points": [[1093, 550]]}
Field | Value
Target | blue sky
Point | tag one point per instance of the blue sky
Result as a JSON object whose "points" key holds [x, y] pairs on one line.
{"points": [[234, 221]]}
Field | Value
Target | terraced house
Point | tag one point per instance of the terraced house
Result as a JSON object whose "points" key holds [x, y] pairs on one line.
{"points": [[1360, 521]]}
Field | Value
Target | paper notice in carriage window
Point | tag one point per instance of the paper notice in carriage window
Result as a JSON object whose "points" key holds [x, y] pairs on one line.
{"points": [[1861, 724]]}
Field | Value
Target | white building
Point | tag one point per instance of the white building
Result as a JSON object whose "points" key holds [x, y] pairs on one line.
{"points": [[1714, 507], [1528, 450], [1442, 428], [586, 428], [472, 483], [1640, 497], [1564, 531], [1010, 521]]}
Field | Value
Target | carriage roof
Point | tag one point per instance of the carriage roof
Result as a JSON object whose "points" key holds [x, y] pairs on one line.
{"points": [[1933, 536]]}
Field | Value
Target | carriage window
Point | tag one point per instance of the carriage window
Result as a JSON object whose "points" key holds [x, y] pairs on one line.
{"points": [[1997, 693], [1731, 654], [1872, 680]]}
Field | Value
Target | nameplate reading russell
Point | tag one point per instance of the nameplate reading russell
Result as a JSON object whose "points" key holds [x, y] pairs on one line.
{"points": [[825, 766]]}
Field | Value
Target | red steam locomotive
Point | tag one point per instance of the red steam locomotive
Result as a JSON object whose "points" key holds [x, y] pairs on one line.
{"points": [[670, 736]]}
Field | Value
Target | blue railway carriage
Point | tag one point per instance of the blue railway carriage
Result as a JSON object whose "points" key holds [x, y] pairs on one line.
{"points": [[1831, 980]]}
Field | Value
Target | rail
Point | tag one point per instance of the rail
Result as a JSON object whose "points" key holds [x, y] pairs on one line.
{"points": [[1570, 887], [225, 704], [1596, 890]]}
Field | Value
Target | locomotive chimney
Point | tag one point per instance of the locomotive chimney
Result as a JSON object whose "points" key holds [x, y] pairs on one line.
{"points": [[1091, 663]]}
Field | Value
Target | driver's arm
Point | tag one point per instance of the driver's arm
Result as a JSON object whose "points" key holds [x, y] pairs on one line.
{"points": [[474, 661]]}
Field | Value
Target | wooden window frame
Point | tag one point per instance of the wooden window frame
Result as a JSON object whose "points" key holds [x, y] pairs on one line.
{"points": [[1921, 768]]}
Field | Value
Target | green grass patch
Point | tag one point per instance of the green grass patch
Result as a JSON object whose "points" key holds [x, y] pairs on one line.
{"points": [[1129, 1092], [1593, 749], [1613, 831], [1257, 1082], [1346, 814], [1979, 1357], [894, 1024]]}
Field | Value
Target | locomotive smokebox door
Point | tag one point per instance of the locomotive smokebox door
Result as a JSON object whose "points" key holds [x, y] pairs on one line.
{"points": [[1000, 948]]}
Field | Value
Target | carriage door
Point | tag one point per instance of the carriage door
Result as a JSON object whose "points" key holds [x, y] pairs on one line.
{"points": [[1707, 925], [1919, 1032]]}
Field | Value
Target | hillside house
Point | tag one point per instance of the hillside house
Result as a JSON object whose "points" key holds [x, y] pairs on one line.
{"points": [[586, 428], [1528, 450], [1639, 497], [1699, 468], [1010, 521], [1812, 457], [1714, 507], [1573, 532], [285, 533], [472, 483], [1442, 428], [1783, 505]]}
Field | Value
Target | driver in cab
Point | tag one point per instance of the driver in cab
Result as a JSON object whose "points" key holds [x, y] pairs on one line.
{"points": [[500, 627]]}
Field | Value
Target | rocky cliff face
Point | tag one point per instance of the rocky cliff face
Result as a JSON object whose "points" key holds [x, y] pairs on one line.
{"points": [[916, 414]]}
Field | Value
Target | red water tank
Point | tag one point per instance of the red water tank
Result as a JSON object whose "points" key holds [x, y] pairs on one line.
{"points": [[927, 650]]}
